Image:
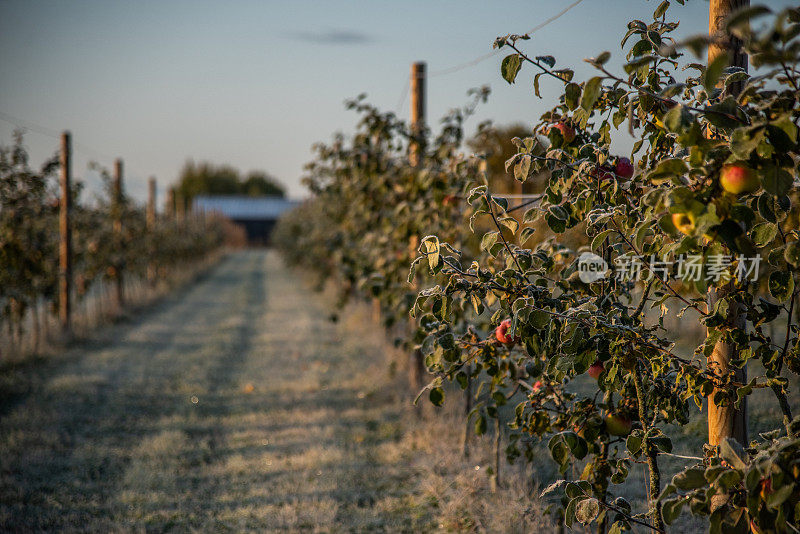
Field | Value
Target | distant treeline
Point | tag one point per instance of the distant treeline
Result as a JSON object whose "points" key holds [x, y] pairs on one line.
{"points": [[208, 179]]}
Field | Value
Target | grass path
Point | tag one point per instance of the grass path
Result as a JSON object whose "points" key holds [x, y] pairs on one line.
{"points": [[235, 405]]}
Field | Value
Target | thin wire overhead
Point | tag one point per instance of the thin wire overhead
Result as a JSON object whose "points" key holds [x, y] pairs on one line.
{"points": [[43, 130], [473, 62], [478, 59]]}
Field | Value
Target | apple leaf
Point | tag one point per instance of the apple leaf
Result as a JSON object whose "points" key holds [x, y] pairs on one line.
{"points": [[510, 67]]}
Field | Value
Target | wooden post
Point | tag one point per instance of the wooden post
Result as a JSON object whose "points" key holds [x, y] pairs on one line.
{"points": [[416, 371], [169, 203], [152, 268], [65, 242], [718, 11], [151, 203], [417, 84], [726, 421], [180, 207], [119, 295]]}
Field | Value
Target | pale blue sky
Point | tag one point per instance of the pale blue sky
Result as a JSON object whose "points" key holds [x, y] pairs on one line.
{"points": [[256, 83]]}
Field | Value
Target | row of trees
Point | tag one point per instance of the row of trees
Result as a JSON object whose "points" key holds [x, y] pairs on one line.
{"points": [[514, 307], [29, 238]]}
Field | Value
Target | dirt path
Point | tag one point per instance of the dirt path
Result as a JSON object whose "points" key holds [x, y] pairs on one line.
{"points": [[236, 405]]}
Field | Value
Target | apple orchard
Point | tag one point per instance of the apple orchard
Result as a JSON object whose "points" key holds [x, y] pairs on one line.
{"points": [[503, 321]]}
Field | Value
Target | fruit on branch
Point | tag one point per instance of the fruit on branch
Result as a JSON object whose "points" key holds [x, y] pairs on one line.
{"points": [[766, 488], [684, 222], [623, 168], [449, 200], [596, 369], [537, 386], [618, 425], [738, 178], [501, 333], [567, 131]]}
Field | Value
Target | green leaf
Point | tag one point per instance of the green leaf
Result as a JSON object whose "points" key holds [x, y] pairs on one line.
{"points": [[661, 9], [550, 61], [436, 396], [587, 510], [431, 243], [745, 140], [634, 443], [777, 181], [601, 59], [671, 509], [539, 319], [557, 225], [477, 304], [480, 424], [792, 253], [690, 479], [526, 234], [591, 92], [599, 238], [781, 285], [779, 496], [677, 119], [489, 239], [639, 62], [522, 168], [510, 67], [763, 234], [511, 223], [572, 95], [662, 443], [667, 168]]}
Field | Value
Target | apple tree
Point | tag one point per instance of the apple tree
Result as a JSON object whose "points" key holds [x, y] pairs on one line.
{"points": [[712, 189]]}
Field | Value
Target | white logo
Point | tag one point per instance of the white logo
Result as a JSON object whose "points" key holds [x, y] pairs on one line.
{"points": [[591, 268]]}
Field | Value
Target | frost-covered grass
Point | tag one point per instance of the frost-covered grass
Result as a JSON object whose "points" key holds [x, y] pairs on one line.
{"points": [[237, 405]]}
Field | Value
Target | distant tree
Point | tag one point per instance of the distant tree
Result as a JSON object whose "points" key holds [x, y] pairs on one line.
{"points": [[259, 183], [208, 179]]}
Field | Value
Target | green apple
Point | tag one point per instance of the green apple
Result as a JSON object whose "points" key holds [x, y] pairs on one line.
{"points": [[618, 425], [684, 222]]}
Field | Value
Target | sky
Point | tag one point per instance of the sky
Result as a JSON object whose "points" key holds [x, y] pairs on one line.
{"points": [[255, 84]]}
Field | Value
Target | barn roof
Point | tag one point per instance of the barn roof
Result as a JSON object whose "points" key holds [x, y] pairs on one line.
{"points": [[245, 208]]}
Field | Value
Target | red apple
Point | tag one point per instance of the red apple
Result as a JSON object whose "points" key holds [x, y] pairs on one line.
{"points": [[501, 333], [738, 178], [623, 168], [449, 200], [567, 131], [618, 425], [596, 369]]}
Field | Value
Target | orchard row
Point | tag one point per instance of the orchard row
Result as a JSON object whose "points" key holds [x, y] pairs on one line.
{"points": [[111, 238], [502, 312]]}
